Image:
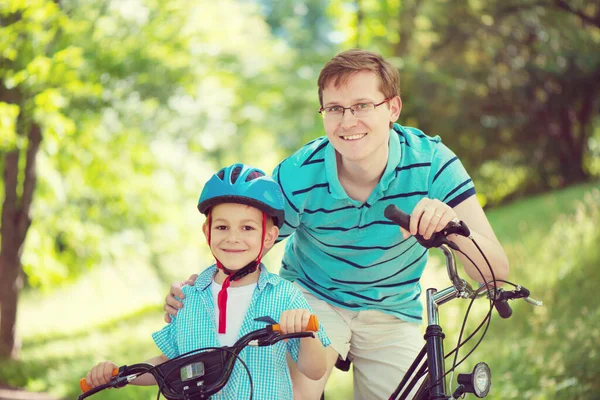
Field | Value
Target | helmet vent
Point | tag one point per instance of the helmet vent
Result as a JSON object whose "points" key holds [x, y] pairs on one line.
{"points": [[221, 174], [235, 174], [253, 175]]}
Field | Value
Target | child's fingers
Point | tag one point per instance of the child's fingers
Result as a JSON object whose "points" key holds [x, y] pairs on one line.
{"points": [[92, 377], [299, 321], [100, 374], [305, 318]]}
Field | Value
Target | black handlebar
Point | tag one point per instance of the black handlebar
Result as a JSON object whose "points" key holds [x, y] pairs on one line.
{"points": [[502, 297], [437, 239], [211, 369]]}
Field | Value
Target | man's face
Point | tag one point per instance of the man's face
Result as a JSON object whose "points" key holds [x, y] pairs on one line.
{"points": [[365, 138]]}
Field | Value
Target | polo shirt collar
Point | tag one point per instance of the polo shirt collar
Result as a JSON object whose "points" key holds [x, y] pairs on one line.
{"points": [[394, 155]]}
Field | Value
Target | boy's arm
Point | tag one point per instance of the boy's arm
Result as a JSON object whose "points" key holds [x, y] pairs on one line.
{"points": [[102, 373], [148, 379], [311, 355], [311, 358]]}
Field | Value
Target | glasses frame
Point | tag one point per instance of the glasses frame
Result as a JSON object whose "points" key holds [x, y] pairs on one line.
{"points": [[375, 105]]}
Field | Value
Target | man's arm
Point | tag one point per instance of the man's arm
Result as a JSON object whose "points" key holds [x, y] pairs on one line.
{"points": [[474, 217], [431, 215]]}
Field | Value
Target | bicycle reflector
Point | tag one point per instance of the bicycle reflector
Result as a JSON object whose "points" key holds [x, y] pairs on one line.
{"points": [[479, 381]]}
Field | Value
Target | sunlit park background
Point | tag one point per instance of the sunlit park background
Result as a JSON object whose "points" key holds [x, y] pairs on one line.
{"points": [[113, 113]]}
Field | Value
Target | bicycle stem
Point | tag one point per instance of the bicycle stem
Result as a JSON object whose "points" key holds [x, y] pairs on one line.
{"points": [[459, 288]]}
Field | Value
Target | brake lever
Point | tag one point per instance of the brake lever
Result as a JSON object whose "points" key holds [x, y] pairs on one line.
{"points": [[440, 238], [534, 301], [297, 335]]}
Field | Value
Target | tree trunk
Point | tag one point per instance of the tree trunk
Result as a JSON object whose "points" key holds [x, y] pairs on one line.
{"points": [[10, 285], [13, 231]]}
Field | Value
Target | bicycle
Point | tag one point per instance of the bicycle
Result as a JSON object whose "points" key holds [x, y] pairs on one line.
{"points": [[428, 366], [200, 373]]}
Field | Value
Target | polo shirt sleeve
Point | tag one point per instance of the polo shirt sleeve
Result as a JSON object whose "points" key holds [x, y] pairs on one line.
{"points": [[297, 301], [292, 213], [448, 179], [165, 339]]}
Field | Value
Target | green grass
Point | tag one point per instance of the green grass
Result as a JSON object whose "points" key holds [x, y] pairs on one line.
{"points": [[110, 313]]}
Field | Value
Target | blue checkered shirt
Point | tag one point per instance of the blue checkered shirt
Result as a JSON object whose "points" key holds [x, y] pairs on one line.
{"points": [[195, 327]]}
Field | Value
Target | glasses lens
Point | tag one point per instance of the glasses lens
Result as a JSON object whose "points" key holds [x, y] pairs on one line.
{"points": [[362, 108], [332, 112]]}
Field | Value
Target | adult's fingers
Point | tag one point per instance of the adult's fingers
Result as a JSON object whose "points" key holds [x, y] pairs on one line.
{"points": [[167, 317], [416, 215], [175, 291], [436, 222], [427, 219], [191, 280], [405, 233]]}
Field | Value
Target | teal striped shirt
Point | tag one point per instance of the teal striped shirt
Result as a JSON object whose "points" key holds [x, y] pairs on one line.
{"points": [[194, 327], [345, 251]]}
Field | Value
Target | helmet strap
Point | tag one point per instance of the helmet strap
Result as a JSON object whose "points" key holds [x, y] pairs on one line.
{"points": [[233, 276]]}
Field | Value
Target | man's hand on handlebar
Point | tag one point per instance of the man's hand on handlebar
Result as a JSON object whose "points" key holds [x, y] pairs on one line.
{"points": [[428, 217], [172, 305]]}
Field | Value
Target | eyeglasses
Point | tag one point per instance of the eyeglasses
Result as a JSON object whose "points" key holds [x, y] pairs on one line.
{"points": [[358, 110]]}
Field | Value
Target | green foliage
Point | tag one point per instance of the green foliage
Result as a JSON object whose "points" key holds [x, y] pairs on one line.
{"points": [[545, 352], [540, 353], [132, 100], [552, 354], [505, 84]]}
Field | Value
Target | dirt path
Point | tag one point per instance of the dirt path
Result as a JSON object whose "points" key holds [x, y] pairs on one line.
{"points": [[11, 393]]}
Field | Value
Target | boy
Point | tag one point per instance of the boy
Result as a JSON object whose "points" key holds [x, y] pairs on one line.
{"points": [[244, 210]]}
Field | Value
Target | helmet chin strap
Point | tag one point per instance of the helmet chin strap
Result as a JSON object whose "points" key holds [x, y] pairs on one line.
{"points": [[233, 275]]}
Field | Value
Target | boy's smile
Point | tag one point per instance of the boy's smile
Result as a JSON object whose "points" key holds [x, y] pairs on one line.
{"points": [[236, 231]]}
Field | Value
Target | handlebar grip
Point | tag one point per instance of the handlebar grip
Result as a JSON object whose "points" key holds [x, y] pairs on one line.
{"points": [[85, 386], [503, 308], [311, 326], [398, 216]]}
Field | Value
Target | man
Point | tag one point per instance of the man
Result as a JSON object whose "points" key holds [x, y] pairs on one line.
{"points": [[359, 274]]}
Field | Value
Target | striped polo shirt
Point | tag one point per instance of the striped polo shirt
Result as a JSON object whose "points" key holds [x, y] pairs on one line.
{"points": [[345, 251], [194, 327]]}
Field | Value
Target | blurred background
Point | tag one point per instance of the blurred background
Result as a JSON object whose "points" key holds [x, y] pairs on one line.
{"points": [[113, 113]]}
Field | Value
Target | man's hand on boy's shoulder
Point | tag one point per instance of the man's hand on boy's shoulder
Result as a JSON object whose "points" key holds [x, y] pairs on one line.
{"points": [[293, 321], [172, 305]]}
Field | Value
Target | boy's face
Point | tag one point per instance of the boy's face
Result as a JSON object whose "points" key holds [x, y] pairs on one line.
{"points": [[236, 232], [366, 138]]}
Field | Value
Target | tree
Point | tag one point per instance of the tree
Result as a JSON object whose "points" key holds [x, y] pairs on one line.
{"points": [[129, 103], [508, 85], [48, 79]]}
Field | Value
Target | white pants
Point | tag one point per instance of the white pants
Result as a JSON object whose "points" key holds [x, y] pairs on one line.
{"points": [[381, 346]]}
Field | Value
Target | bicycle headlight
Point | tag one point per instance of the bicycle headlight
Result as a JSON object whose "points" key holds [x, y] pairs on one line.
{"points": [[479, 381]]}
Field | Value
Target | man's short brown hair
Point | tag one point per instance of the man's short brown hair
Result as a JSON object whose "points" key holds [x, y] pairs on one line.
{"points": [[349, 62]]}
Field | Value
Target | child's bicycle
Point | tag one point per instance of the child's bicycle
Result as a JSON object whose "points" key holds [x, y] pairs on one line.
{"points": [[200, 373], [428, 369]]}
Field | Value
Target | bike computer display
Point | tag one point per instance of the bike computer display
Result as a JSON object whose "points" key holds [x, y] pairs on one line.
{"points": [[192, 371]]}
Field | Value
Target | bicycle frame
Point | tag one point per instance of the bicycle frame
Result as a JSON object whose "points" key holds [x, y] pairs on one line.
{"points": [[433, 349]]}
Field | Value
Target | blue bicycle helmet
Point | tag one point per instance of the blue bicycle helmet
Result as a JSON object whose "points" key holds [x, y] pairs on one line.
{"points": [[240, 183]]}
